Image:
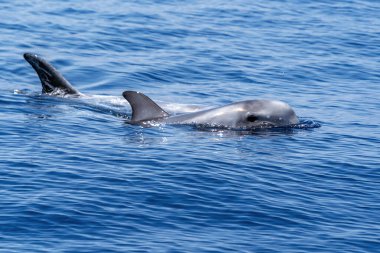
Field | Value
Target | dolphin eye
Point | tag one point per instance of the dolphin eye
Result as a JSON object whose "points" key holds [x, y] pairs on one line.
{"points": [[252, 118]]}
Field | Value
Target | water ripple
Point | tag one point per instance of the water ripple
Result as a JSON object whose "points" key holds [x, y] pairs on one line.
{"points": [[76, 178]]}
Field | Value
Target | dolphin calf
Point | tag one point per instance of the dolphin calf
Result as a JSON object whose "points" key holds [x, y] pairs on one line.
{"points": [[248, 114], [51, 80]]}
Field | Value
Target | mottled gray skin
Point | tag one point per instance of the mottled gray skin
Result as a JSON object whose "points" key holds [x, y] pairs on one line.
{"points": [[51, 80], [245, 114], [241, 115]]}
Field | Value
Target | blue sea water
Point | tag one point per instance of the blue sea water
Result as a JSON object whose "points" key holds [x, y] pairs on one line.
{"points": [[75, 177]]}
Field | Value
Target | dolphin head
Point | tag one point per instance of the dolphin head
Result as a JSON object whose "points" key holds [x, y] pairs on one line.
{"points": [[264, 113]]}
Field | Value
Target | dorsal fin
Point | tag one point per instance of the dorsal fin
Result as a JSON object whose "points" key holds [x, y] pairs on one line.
{"points": [[143, 108], [51, 80]]}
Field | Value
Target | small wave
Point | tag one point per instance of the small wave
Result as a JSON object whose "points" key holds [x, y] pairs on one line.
{"points": [[289, 129], [306, 124]]}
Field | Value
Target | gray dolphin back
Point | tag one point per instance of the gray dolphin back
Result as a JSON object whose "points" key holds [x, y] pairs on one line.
{"points": [[143, 108], [51, 80]]}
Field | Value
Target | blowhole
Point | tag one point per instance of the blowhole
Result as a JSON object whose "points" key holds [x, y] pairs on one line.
{"points": [[252, 118]]}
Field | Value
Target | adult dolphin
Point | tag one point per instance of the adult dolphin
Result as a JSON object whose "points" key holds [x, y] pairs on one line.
{"points": [[53, 83], [51, 80], [248, 114]]}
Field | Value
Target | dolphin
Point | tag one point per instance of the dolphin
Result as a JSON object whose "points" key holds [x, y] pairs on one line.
{"points": [[249, 114], [54, 84], [145, 112], [52, 81]]}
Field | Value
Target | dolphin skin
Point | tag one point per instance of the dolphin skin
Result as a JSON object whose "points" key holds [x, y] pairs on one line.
{"points": [[51, 80], [248, 114]]}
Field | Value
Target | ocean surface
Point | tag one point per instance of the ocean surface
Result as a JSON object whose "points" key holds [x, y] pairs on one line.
{"points": [[76, 177]]}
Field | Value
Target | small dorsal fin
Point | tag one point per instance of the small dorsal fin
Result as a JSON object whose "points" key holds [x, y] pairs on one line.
{"points": [[143, 108]]}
